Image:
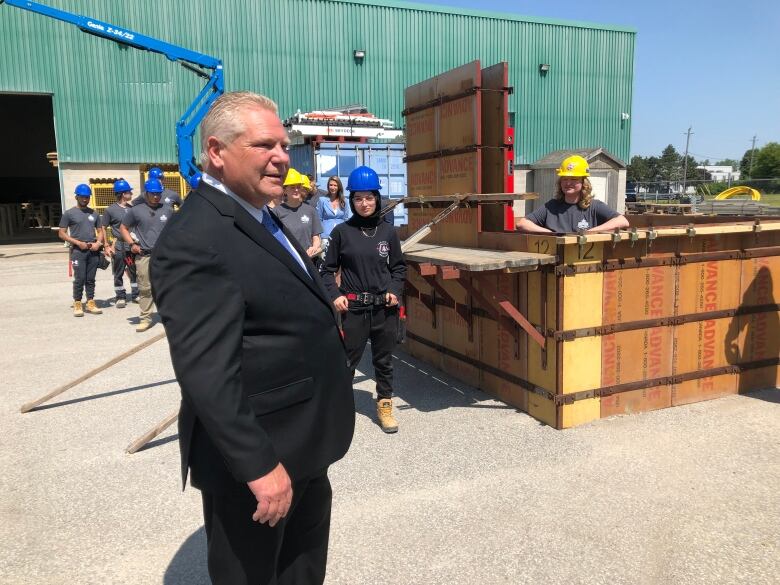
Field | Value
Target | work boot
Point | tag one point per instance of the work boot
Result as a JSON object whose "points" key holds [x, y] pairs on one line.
{"points": [[384, 411], [92, 308], [121, 303], [143, 326], [78, 310]]}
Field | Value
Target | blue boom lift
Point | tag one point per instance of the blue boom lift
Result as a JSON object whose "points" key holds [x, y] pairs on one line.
{"points": [[205, 66]]}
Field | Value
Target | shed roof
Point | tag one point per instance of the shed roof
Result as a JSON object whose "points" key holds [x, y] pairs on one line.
{"points": [[553, 160]]}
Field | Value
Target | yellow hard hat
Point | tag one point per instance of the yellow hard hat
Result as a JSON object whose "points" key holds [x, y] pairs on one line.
{"points": [[293, 178], [306, 182], [574, 166]]}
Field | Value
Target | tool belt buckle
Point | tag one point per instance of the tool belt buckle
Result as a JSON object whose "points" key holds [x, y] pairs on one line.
{"points": [[365, 298]]}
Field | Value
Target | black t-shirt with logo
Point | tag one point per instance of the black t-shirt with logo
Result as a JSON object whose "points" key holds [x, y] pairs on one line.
{"points": [[370, 260], [566, 218], [113, 216], [81, 223], [302, 221], [147, 223]]}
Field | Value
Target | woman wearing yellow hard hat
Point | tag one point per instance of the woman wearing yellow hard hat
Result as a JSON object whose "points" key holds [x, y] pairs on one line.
{"points": [[299, 218], [573, 209]]}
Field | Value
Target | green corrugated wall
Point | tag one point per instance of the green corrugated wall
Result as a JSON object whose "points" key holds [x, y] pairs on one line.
{"points": [[115, 104]]}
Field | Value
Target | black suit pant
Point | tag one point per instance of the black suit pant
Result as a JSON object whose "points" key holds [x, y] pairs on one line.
{"points": [[244, 552]]}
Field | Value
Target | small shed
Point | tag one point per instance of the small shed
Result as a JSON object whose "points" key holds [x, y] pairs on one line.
{"points": [[607, 175]]}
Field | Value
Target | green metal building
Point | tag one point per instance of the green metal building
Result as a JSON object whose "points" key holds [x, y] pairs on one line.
{"points": [[113, 107]]}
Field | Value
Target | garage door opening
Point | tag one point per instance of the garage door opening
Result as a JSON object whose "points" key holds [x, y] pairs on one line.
{"points": [[29, 183]]}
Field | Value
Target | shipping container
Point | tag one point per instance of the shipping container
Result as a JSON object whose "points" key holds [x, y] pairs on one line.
{"points": [[326, 159]]}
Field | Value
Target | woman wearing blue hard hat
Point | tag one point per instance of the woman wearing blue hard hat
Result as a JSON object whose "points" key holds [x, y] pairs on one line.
{"points": [[368, 252]]}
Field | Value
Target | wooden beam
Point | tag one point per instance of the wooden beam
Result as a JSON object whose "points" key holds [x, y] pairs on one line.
{"points": [[506, 305]]}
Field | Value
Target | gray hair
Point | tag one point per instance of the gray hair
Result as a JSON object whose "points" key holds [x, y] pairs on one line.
{"points": [[224, 120]]}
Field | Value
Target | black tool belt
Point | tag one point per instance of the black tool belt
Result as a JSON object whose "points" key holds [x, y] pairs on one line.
{"points": [[365, 299]]}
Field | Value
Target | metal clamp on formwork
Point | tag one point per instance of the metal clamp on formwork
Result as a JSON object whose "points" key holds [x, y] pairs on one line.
{"points": [[651, 236], [616, 237], [757, 227], [633, 236], [582, 241], [690, 231]]}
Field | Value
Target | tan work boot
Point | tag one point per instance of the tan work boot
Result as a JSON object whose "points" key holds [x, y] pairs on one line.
{"points": [[78, 310], [384, 411], [143, 326], [92, 308]]}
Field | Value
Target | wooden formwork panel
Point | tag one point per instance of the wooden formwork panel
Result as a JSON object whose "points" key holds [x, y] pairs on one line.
{"points": [[759, 379], [631, 356], [496, 350], [761, 281], [420, 132], [420, 322], [582, 300], [565, 416], [581, 365], [460, 173], [708, 243], [702, 345], [708, 286], [457, 229], [422, 179], [704, 389], [503, 349], [542, 372], [638, 294], [761, 339], [636, 401], [458, 123], [455, 332]]}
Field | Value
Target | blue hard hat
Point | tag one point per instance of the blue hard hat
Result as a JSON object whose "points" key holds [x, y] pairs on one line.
{"points": [[363, 179], [153, 186], [121, 186], [156, 173], [83, 190]]}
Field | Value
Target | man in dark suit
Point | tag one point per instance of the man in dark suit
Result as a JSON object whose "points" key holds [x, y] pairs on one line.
{"points": [[264, 409]]}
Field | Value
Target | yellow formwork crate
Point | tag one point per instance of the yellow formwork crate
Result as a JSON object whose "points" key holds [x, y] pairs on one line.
{"points": [[644, 319]]}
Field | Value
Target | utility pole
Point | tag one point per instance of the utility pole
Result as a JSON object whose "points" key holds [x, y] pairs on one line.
{"points": [[752, 152], [685, 159]]}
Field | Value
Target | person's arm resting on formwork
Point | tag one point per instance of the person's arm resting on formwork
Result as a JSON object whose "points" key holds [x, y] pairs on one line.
{"points": [[607, 218], [534, 222]]}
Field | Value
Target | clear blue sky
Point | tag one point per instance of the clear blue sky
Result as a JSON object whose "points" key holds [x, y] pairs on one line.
{"points": [[712, 65]]}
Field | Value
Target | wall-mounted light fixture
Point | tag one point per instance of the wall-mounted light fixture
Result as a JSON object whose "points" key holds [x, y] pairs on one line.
{"points": [[544, 68], [359, 54]]}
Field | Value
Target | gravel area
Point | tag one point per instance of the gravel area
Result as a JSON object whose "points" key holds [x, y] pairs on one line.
{"points": [[468, 492]]}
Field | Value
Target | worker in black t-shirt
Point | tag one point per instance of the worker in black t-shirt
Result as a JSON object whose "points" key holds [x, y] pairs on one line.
{"points": [[574, 209], [118, 250], [80, 227], [368, 252]]}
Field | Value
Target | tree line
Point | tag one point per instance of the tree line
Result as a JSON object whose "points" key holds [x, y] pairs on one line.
{"points": [[758, 163]]}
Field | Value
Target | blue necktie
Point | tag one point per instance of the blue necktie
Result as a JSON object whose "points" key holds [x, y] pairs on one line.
{"points": [[271, 226]]}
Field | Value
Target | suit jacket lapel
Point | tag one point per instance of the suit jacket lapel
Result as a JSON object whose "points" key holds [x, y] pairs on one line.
{"points": [[260, 235]]}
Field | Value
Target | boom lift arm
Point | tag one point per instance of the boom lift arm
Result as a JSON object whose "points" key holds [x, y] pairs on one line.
{"points": [[205, 66]]}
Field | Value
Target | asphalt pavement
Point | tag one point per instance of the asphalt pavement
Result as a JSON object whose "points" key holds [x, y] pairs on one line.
{"points": [[469, 491]]}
